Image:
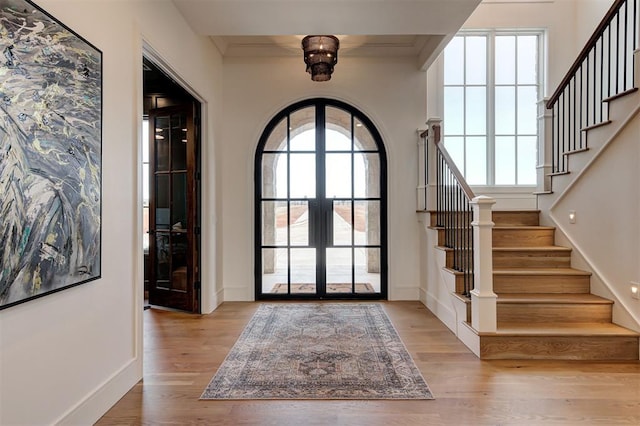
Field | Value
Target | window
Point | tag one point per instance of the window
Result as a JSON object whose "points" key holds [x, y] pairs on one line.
{"points": [[491, 89]]}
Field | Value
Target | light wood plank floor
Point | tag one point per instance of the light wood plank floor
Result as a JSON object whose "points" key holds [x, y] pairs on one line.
{"points": [[182, 353]]}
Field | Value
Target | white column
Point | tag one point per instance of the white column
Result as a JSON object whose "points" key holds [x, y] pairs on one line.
{"points": [[483, 299], [545, 148]]}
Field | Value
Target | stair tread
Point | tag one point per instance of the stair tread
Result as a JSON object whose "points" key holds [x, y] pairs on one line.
{"points": [[565, 329], [524, 227], [577, 298], [532, 248], [539, 271]]}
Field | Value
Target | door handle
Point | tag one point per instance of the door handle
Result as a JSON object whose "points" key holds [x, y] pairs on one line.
{"points": [[328, 220]]}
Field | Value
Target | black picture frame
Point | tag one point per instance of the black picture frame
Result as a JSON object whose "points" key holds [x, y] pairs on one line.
{"points": [[50, 155]]}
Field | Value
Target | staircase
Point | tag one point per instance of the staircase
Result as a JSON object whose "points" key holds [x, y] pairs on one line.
{"points": [[545, 309]]}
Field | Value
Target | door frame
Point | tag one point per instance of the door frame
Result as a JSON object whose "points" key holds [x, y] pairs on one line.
{"points": [[200, 111], [382, 155]]}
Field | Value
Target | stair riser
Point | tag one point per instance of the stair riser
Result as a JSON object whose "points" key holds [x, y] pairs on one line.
{"points": [[461, 216], [523, 237], [516, 218], [609, 348], [541, 284], [541, 313], [524, 259]]}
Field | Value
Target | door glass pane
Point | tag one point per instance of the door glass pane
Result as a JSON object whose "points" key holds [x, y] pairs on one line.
{"points": [[274, 175], [342, 223], [179, 247], [366, 175], [179, 202], [302, 183], [367, 223], [338, 140], [178, 142], [338, 175], [274, 223], [302, 129], [367, 270], [161, 137], [303, 270], [338, 271], [163, 260], [299, 223], [163, 201], [274, 270], [338, 130], [363, 139], [277, 140]]}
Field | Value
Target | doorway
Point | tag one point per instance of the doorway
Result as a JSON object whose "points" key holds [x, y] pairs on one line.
{"points": [[171, 192], [320, 200]]}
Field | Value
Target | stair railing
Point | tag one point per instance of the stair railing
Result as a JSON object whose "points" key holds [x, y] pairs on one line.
{"points": [[603, 70], [454, 212], [466, 221]]}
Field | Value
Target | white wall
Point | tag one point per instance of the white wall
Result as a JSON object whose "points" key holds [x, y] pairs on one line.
{"points": [[569, 23], [606, 234], [67, 357], [390, 92]]}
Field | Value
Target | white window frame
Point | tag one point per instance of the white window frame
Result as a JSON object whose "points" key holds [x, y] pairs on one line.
{"points": [[490, 95]]}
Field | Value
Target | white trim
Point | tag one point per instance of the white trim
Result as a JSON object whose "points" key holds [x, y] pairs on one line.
{"points": [[207, 288], [101, 398]]}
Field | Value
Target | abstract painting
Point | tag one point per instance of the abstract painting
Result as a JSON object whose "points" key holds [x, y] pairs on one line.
{"points": [[50, 155]]}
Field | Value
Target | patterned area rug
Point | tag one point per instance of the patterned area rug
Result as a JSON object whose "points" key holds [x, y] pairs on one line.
{"points": [[331, 288], [318, 351]]}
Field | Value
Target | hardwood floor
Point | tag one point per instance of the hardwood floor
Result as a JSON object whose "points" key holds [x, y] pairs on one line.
{"points": [[182, 353]]}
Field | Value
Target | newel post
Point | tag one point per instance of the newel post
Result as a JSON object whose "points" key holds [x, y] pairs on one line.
{"points": [[434, 125], [545, 146], [483, 299]]}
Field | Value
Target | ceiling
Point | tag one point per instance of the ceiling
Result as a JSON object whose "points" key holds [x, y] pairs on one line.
{"points": [[415, 28]]}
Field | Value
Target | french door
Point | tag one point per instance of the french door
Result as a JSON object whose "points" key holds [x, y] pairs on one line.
{"points": [[320, 205], [173, 208]]}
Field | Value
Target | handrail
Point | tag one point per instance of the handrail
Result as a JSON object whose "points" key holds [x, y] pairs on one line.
{"points": [[468, 192], [454, 213], [603, 70], [586, 50]]}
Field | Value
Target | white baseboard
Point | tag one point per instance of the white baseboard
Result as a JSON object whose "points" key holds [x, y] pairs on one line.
{"points": [[103, 397], [404, 293], [238, 294], [443, 312]]}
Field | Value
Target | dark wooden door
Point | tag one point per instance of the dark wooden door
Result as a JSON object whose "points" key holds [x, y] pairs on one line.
{"points": [[173, 208]]}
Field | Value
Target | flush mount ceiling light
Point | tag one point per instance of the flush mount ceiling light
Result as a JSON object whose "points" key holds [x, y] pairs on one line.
{"points": [[320, 55]]}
